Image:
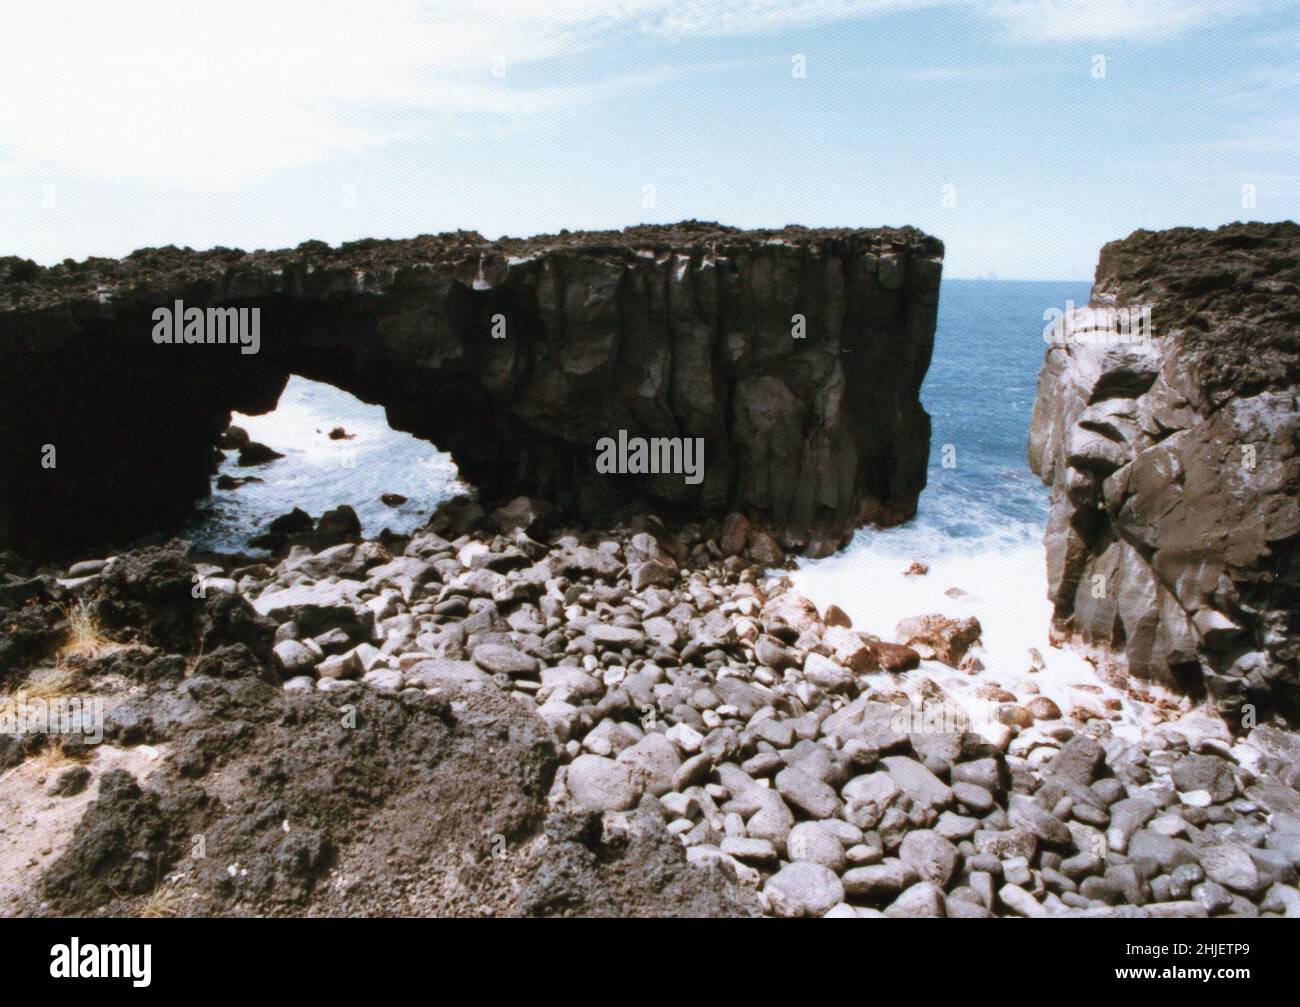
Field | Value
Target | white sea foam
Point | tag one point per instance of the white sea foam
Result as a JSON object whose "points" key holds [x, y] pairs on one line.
{"points": [[318, 473], [999, 578]]}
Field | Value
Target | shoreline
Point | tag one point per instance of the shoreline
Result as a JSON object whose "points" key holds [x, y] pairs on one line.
{"points": [[686, 691]]}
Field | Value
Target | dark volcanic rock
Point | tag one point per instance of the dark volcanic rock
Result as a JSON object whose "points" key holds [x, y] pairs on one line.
{"points": [[156, 594], [254, 453], [515, 356], [1174, 534], [361, 804]]}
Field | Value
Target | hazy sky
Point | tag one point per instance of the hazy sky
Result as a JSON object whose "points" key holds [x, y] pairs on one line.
{"points": [[1024, 134]]}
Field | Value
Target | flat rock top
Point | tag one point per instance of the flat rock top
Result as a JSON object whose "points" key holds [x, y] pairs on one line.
{"points": [[25, 285], [1232, 293]]}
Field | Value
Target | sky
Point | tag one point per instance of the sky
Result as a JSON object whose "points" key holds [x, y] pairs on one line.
{"points": [[1024, 133]]}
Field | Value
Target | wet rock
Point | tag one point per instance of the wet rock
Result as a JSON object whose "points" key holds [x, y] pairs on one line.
{"points": [[896, 657], [1043, 708], [254, 453], [338, 525], [764, 550], [234, 438], [735, 533], [520, 514], [940, 637]]}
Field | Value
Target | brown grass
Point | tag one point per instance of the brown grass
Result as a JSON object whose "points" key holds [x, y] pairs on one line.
{"points": [[85, 636], [51, 759], [162, 903]]}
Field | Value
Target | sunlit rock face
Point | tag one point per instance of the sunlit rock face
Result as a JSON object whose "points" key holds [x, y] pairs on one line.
{"points": [[1174, 536], [797, 357]]}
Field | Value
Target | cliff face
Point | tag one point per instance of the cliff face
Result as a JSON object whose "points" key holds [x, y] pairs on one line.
{"points": [[1174, 535], [515, 356]]}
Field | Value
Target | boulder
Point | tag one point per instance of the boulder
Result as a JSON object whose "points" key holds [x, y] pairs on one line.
{"points": [[803, 888], [939, 637], [596, 783]]}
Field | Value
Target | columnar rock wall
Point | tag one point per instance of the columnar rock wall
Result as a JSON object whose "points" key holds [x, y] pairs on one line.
{"points": [[1174, 535], [515, 356]]}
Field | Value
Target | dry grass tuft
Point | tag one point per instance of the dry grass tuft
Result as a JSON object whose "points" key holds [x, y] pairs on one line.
{"points": [[51, 759], [85, 636], [162, 903]]}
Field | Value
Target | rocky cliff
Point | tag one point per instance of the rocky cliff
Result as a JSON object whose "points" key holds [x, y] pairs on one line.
{"points": [[516, 356], [1174, 535]]}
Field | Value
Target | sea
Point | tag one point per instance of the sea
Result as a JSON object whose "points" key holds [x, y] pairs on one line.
{"points": [[980, 521]]}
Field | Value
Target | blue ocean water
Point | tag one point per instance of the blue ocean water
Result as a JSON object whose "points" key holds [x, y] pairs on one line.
{"points": [[980, 394]]}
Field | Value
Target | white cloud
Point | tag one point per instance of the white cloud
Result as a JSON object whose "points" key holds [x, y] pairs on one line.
{"points": [[220, 96], [224, 94], [1108, 20]]}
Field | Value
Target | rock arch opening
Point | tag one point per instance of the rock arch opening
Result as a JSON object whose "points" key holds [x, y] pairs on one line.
{"points": [[318, 449]]}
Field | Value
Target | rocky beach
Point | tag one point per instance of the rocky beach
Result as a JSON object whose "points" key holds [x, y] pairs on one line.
{"points": [[576, 694]]}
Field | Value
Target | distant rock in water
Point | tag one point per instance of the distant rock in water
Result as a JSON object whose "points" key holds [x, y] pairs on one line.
{"points": [[393, 499], [794, 356], [254, 453], [297, 528], [1174, 535], [339, 434], [234, 439], [225, 482]]}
